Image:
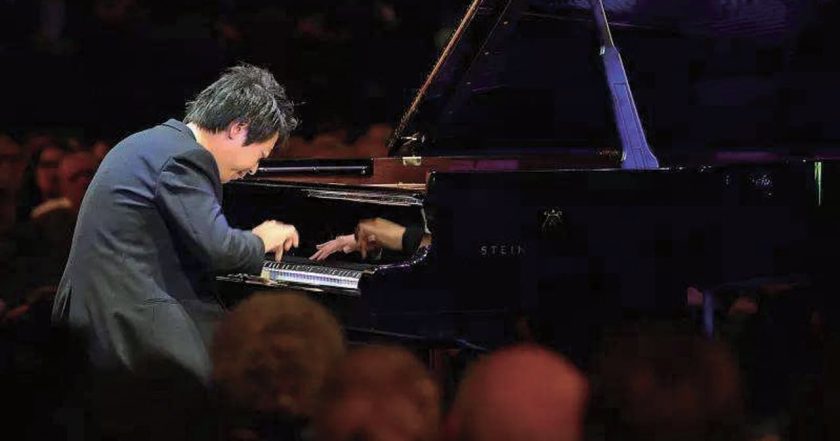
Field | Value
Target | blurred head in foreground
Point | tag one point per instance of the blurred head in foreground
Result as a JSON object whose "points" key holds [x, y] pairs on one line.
{"points": [[379, 393], [523, 393], [271, 355]]}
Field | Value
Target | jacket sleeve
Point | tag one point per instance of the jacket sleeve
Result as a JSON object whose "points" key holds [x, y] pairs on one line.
{"points": [[411, 239], [186, 196]]}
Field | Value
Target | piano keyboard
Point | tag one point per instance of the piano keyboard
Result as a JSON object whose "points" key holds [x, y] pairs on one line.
{"points": [[305, 272]]}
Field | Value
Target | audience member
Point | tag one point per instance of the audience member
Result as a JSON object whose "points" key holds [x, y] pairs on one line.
{"points": [[270, 357], [8, 244], [75, 171], [51, 224], [46, 172], [664, 384], [7, 211], [40, 180], [379, 393], [11, 163], [522, 393], [100, 148]]}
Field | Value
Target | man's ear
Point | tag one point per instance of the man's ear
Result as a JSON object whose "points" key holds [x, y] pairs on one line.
{"points": [[237, 131]]}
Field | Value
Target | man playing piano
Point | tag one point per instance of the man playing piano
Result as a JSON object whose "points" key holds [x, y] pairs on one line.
{"points": [[137, 289]]}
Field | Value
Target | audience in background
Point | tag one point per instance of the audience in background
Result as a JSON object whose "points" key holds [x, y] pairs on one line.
{"points": [[379, 393], [270, 357], [334, 142], [519, 393], [99, 149], [75, 174], [660, 383], [39, 208], [275, 351], [12, 162], [75, 171], [40, 180], [46, 171], [8, 244]]}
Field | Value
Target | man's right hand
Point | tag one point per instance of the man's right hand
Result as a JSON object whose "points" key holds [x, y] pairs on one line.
{"points": [[277, 237]]}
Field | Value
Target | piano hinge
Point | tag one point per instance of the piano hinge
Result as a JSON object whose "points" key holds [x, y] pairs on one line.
{"points": [[415, 161]]}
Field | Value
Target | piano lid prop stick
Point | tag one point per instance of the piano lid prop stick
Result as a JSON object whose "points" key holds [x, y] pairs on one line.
{"points": [[636, 153]]}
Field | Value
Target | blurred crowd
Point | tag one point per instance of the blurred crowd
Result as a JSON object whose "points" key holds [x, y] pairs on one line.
{"points": [[283, 369], [42, 182], [107, 68]]}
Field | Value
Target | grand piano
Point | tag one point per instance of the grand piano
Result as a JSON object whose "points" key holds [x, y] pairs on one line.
{"points": [[524, 155]]}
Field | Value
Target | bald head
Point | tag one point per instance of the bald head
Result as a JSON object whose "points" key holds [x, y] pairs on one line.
{"points": [[520, 393], [379, 393]]}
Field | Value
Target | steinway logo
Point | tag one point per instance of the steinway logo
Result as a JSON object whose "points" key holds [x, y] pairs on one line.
{"points": [[492, 250]]}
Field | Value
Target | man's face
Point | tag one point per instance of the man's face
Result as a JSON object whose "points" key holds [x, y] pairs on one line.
{"points": [[235, 159], [46, 172], [75, 173]]}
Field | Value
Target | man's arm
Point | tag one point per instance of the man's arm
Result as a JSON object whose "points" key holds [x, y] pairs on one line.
{"points": [[186, 197]]}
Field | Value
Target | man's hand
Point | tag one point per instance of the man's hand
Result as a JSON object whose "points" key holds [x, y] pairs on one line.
{"points": [[277, 237], [346, 244], [375, 233]]}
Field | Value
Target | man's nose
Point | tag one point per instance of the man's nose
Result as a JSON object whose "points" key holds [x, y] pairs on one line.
{"points": [[253, 169]]}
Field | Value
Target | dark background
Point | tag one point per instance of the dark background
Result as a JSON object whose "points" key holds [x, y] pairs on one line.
{"points": [[108, 67], [708, 74]]}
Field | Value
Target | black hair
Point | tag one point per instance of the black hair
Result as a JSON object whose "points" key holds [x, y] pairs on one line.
{"points": [[246, 94]]}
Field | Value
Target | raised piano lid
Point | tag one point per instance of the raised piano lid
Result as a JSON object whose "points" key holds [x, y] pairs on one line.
{"points": [[714, 82], [513, 89], [708, 76], [513, 81]]}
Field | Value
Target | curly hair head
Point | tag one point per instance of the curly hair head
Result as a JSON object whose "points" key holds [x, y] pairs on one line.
{"points": [[377, 393], [273, 351]]}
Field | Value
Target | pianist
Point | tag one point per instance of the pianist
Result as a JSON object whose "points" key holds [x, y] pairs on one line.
{"points": [[374, 235], [136, 290]]}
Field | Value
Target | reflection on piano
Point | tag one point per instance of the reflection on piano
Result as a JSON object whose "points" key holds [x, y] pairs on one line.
{"points": [[512, 160]]}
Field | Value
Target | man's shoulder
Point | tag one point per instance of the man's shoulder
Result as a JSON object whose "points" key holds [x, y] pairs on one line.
{"points": [[196, 161], [160, 138], [157, 146]]}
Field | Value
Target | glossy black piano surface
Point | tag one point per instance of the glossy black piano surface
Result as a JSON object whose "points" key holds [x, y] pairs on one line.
{"points": [[541, 222], [570, 248]]}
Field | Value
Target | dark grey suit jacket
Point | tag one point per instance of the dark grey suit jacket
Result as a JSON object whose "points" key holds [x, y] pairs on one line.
{"points": [[150, 236]]}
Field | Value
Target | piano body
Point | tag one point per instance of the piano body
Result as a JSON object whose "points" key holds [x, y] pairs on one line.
{"points": [[515, 155]]}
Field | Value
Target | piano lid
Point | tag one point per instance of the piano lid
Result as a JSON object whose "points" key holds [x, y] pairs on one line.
{"points": [[510, 80], [525, 76]]}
